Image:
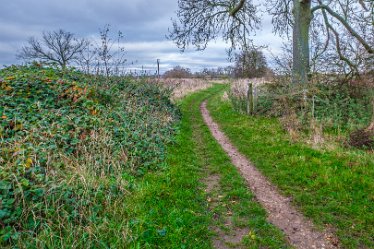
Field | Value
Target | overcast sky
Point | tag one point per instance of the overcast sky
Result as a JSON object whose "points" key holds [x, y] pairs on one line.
{"points": [[144, 24]]}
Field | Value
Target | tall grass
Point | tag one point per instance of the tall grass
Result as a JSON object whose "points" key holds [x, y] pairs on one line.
{"points": [[182, 87]]}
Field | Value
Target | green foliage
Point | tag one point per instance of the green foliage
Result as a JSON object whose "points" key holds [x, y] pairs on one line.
{"points": [[343, 106], [57, 127], [333, 187]]}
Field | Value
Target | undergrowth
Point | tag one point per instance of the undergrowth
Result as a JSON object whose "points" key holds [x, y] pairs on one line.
{"points": [[335, 108], [70, 146]]}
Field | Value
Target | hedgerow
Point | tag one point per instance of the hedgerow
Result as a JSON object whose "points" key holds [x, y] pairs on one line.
{"points": [[70, 142]]}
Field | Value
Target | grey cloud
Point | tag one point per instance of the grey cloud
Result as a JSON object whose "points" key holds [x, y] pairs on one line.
{"points": [[141, 21]]}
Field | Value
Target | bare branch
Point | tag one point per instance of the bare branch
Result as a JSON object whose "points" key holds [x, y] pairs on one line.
{"points": [[346, 25], [282, 17], [200, 21], [337, 41], [362, 3]]}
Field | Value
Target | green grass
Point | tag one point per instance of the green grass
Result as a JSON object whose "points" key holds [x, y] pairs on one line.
{"points": [[170, 208], [335, 188]]}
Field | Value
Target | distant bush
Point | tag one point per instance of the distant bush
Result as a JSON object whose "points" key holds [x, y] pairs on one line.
{"points": [[178, 72], [66, 142]]}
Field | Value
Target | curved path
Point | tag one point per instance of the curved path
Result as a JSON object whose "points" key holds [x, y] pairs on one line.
{"points": [[300, 232]]}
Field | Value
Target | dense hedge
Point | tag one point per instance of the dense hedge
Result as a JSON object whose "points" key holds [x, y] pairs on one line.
{"points": [[55, 125]]}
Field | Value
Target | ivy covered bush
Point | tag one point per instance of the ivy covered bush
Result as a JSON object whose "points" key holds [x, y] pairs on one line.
{"points": [[70, 144]]}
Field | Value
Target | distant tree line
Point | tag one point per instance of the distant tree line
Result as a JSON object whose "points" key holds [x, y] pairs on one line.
{"points": [[249, 63]]}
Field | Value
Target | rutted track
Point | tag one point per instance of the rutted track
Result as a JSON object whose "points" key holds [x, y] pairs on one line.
{"points": [[300, 232]]}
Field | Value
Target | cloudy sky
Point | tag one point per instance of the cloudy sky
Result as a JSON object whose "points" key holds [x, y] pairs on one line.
{"points": [[144, 24]]}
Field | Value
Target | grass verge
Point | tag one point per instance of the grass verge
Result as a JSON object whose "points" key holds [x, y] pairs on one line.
{"points": [[170, 209], [335, 188]]}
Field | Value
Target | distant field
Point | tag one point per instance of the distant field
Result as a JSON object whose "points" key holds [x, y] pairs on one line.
{"points": [[183, 87]]}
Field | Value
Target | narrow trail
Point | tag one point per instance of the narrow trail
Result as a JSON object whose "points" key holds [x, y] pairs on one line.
{"points": [[300, 232]]}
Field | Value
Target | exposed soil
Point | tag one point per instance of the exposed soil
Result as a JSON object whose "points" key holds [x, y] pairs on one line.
{"points": [[300, 231], [232, 236], [229, 240], [211, 182]]}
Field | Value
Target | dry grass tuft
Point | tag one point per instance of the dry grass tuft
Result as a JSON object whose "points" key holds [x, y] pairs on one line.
{"points": [[183, 87], [239, 87], [317, 136]]}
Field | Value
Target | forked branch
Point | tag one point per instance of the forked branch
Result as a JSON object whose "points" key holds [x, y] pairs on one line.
{"points": [[237, 8]]}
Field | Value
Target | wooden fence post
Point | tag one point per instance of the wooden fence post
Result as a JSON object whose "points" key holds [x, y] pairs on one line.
{"points": [[250, 106]]}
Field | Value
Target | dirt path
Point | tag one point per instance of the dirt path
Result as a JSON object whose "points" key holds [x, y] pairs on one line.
{"points": [[299, 231]]}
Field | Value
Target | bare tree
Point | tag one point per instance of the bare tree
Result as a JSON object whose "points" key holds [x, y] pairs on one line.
{"points": [[110, 58], [200, 21], [86, 58], [335, 23], [250, 63], [57, 46]]}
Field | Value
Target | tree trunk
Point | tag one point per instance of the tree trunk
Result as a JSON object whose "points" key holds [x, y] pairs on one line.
{"points": [[302, 18]]}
